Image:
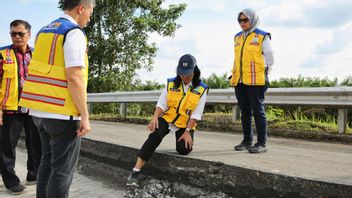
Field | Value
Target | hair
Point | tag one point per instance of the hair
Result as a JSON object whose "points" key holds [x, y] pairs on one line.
{"points": [[70, 4], [21, 22], [195, 81]]}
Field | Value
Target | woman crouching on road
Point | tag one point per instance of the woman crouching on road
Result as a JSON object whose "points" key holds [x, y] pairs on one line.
{"points": [[179, 107]]}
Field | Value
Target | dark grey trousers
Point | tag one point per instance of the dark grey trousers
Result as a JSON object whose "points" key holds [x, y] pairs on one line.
{"points": [[9, 135], [59, 156]]}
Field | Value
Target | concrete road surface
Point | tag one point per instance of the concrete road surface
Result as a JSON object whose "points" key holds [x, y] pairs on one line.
{"points": [[330, 162], [82, 186]]}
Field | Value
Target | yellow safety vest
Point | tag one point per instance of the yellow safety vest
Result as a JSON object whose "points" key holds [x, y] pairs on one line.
{"points": [[182, 105], [9, 82], [249, 60], [46, 86]]}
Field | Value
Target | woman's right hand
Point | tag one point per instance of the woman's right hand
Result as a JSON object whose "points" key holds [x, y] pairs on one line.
{"points": [[154, 123]]}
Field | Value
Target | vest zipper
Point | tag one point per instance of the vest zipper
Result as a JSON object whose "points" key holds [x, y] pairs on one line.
{"points": [[241, 71]]}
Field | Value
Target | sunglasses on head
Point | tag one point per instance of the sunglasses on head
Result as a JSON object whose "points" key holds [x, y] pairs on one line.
{"points": [[242, 20], [20, 34]]}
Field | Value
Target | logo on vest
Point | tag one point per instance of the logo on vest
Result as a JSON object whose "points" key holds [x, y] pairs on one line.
{"points": [[54, 25], [255, 41], [8, 61], [175, 89], [196, 91]]}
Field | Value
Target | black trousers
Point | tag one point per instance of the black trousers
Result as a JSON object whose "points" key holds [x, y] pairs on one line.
{"points": [[157, 136], [251, 102], [61, 148], [10, 132]]}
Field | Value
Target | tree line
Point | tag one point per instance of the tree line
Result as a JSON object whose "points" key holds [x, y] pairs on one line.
{"points": [[118, 47]]}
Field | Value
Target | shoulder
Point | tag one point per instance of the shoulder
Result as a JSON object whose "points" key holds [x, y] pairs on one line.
{"points": [[75, 38], [202, 84], [61, 26], [239, 34], [6, 47], [171, 79], [76, 33], [262, 32], [201, 88]]}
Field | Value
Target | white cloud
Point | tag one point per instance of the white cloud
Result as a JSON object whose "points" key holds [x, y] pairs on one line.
{"points": [[37, 1], [334, 56], [205, 5], [209, 41], [313, 13], [336, 42], [309, 49]]}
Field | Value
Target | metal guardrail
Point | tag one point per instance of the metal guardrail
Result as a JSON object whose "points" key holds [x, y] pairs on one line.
{"points": [[334, 97]]}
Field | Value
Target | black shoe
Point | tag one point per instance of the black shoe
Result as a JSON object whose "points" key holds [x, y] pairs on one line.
{"points": [[31, 180], [16, 190], [242, 146], [133, 179], [258, 148]]}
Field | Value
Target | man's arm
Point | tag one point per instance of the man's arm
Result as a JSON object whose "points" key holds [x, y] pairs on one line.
{"points": [[1, 72], [77, 89]]}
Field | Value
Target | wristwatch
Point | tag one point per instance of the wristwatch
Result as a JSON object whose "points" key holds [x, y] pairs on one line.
{"points": [[188, 129]]}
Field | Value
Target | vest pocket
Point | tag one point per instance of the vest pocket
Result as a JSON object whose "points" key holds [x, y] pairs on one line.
{"points": [[173, 98], [192, 101], [40, 67], [9, 71]]}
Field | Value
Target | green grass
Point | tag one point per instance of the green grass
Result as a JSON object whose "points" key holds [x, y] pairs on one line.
{"points": [[276, 120], [298, 121]]}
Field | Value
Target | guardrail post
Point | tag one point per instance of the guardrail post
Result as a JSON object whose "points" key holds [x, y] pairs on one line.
{"points": [[235, 113], [123, 110], [342, 120], [90, 108]]}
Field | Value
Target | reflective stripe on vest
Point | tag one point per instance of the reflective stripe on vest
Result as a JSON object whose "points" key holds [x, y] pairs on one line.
{"points": [[253, 74], [47, 80], [7, 92], [43, 98], [52, 49]]}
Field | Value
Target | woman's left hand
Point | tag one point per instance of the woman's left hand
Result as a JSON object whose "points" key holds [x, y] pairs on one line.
{"points": [[186, 136]]}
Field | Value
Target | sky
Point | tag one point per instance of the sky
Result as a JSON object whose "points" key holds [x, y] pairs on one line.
{"points": [[309, 37]]}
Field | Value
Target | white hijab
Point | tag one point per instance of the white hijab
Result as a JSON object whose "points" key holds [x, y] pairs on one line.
{"points": [[253, 19]]}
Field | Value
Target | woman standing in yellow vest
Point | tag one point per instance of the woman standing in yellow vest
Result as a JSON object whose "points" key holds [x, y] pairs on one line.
{"points": [[179, 107], [253, 62]]}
